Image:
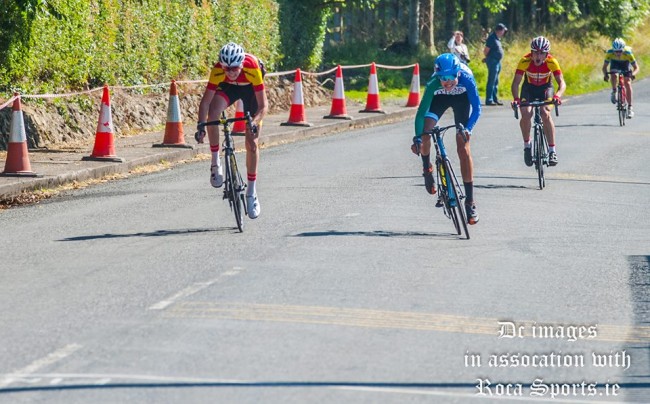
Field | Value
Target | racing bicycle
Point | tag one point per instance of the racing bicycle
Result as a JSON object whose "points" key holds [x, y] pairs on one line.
{"points": [[450, 193], [621, 97], [234, 186], [540, 143]]}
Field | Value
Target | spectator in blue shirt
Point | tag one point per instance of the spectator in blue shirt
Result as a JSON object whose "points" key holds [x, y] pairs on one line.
{"points": [[493, 52]]}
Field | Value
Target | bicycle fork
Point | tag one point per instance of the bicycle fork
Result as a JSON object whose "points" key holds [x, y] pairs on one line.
{"points": [[445, 179]]}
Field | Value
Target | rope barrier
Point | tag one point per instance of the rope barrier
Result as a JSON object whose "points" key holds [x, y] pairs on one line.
{"points": [[270, 74]]}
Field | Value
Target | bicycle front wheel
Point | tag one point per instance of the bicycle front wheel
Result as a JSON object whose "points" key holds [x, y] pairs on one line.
{"points": [[539, 156], [237, 195], [622, 106], [457, 209]]}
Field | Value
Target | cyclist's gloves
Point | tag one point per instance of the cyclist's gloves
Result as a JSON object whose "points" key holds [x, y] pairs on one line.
{"points": [[516, 103], [200, 134], [415, 147], [557, 100], [606, 77], [466, 134]]}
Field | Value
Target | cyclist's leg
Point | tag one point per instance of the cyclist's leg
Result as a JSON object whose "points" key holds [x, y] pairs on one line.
{"points": [[549, 125], [461, 107], [252, 153], [627, 80], [218, 104]]}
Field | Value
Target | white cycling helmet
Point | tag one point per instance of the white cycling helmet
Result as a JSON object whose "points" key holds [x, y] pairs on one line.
{"points": [[618, 44], [540, 44], [231, 55]]}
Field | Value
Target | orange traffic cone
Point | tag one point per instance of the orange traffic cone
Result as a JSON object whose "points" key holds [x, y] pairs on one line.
{"points": [[174, 136], [239, 128], [414, 93], [104, 149], [17, 164], [372, 101], [338, 110], [297, 112]]}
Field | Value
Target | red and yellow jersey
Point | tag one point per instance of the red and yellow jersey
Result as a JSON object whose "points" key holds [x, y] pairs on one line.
{"points": [[625, 56], [251, 73], [538, 75]]}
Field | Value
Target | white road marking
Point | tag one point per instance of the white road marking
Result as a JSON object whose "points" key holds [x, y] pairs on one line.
{"points": [[192, 289], [39, 364]]}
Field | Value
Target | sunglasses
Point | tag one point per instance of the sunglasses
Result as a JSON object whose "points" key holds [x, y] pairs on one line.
{"points": [[231, 69], [447, 78]]}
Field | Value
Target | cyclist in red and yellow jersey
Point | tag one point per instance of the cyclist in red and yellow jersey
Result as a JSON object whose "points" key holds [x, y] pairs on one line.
{"points": [[538, 66], [621, 59], [237, 75]]}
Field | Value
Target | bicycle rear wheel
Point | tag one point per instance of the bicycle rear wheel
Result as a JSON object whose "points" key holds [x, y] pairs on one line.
{"points": [[622, 106], [539, 156], [236, 196]]}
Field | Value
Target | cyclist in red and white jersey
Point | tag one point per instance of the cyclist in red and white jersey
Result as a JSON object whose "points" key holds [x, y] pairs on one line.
{"points": [[538, 67], [237, 75]]}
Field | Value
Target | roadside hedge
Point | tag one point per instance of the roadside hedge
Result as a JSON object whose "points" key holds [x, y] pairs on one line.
{"points": [[61, 45]]}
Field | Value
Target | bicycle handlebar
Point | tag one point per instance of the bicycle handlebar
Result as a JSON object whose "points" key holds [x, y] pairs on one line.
{"points": [[443, 129], [224, 121], [535, 103]]}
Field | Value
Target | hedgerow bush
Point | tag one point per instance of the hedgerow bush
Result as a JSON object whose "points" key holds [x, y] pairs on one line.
{"points": [[60, 45]]}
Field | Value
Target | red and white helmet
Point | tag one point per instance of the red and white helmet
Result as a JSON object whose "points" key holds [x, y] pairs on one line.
{"points": [[540, 44]]}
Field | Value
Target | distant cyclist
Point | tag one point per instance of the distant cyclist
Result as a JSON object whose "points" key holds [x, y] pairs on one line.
{"points": [[538, 66], [621, 59], [237, 75], [452, 85]]}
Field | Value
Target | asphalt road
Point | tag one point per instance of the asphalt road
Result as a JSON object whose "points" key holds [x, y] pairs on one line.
{"points": [[350, 287]]}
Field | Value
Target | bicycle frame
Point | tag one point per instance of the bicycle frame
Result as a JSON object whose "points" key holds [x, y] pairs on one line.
{"points": [[540, 143], [448, 186], [621, 95], [234, 186]]}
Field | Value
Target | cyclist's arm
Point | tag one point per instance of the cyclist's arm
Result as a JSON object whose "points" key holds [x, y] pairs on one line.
{"points": [[635, 68], [204, 106], [516, 82], [605, 66], [559, 78], [425, 104], [262, 106], [475, 102]]}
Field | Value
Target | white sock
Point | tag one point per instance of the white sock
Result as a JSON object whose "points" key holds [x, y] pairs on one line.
{"points": [[528, 144], [251, 188], [215, 159], [551, 149]]}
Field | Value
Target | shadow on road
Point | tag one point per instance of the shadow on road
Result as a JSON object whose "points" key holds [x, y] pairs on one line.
{"points": [[157, 233], [269, 384], [374, 233]]}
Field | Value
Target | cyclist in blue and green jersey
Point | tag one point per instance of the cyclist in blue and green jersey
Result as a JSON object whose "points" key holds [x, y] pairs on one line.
{"points": [[452, 85], [621, 59]]}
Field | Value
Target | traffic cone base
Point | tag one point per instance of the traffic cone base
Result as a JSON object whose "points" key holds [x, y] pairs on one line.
{"points": [[17, 164]]}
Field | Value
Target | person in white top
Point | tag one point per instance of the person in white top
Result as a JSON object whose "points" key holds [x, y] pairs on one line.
{"points": [[458, 47]]}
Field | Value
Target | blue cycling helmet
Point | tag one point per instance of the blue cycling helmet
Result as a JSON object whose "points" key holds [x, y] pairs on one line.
{"points": [[447, 64]]}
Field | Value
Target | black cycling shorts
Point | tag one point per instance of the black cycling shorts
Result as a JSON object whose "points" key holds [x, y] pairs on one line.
{"points": [[459, 103], [232, 93], [530, 92], [622, 66]]}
